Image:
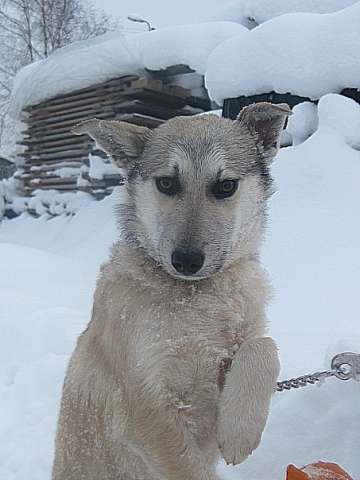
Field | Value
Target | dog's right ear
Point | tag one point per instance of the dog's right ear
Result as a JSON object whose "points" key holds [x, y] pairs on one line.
{"points": [[265, 121], [122, 141]]}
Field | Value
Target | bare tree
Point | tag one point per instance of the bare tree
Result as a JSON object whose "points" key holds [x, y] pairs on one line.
{"points": [[31, 29]]}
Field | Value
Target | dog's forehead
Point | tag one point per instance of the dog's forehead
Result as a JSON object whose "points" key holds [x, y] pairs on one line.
{"points": [[207, 144]]}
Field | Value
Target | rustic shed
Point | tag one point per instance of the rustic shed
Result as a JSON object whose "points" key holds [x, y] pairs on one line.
{"points": [[55, 158]]}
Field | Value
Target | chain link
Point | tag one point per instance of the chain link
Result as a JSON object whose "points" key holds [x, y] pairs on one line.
{"points": [[344, 366]]}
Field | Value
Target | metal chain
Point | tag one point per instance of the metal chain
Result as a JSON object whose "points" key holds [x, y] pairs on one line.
{"points": [[344, 366]]}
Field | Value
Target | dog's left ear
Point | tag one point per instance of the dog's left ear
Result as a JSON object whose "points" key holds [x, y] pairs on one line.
{"points": [[265, 121], [122, 141]]}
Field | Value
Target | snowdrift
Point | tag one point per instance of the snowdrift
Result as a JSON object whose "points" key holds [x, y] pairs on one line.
{"points": [[48, 273], [254, 12], [304, 54]]}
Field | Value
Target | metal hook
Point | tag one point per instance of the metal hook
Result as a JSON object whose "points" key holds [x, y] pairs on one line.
{"points": [[346, 366]]}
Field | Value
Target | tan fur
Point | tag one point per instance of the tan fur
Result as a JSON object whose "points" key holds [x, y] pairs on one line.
{"points": [[143, 396]]}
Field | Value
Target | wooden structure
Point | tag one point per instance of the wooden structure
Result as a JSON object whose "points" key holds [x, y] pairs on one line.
{"points": [[55, 158], [7, 168], [232, 106]]}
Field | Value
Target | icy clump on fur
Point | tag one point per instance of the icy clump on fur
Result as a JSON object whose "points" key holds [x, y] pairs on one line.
{"points": [[305, 54], [254, 12]]}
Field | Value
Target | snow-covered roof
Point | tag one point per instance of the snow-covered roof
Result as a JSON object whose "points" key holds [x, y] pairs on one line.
{"points": [[255, 12], [306, 54], [86, 63]]}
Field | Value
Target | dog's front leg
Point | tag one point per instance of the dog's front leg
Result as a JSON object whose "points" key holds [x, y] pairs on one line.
{"points": [[245, 399], [159, 434]]}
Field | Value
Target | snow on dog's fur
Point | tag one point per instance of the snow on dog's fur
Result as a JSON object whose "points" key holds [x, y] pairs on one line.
{"points": [[149, 392]]}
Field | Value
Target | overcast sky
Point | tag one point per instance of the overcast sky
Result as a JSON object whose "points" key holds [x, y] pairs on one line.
{"points": [[164, 12]]}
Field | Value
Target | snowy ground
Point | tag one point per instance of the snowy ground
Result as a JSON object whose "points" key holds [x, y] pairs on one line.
{"points": [[48, 272]]}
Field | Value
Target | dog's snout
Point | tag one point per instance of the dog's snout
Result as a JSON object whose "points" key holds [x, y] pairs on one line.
{"points": [[187, 262]]}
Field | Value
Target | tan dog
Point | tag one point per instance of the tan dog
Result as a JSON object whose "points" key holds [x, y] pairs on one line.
{"points": [[147, 395]]}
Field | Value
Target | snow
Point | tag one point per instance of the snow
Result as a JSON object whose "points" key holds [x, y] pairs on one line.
{"points": [[46, 202], [99, 168], [112, 55], [185, 44], [303, 123], [306, 54], [48, 274], [254, 12], [342, 114]]}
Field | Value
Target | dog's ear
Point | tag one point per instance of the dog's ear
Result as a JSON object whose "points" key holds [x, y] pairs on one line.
{"points": [[265, 121], [122, 141]]}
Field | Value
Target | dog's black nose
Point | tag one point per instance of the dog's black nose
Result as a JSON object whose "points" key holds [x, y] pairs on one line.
{"points": [[187, 262]]}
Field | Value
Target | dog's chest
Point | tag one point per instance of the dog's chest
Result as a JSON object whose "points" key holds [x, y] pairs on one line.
{"points": [[182, 348]]}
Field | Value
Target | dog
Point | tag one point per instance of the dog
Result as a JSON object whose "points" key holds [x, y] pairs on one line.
{"points": [[174, 369]]}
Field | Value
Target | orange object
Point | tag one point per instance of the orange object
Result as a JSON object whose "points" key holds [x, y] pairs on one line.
{"points": [[317, 471]]}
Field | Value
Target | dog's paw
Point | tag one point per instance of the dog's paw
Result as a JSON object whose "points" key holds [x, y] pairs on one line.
{"points": [[237, 442]]}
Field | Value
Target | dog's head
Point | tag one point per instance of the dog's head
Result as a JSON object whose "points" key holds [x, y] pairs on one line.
{"points": [[197, 186]]}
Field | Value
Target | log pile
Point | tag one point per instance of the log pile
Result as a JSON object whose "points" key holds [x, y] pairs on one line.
{"points": [[55, 158]]}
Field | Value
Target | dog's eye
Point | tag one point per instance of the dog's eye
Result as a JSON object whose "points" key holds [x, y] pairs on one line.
{"points": [[168, 185], [225, 189]]}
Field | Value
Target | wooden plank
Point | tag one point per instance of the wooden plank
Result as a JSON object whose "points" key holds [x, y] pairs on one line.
{"points": [[109, 180], [29, 177], [85, 147], [65, 126], [84, 92], [101, 101], [51, 161], [149, 83], [138, 119], [157, 97], [179, 69], [49, 166], [68, 140], [90, 112], [146, 108], [55, 155], [44, 137]]}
